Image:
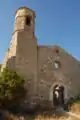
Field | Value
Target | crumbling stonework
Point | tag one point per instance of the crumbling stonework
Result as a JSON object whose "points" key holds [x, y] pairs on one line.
{"points": [[67, 75], [37, 64]]}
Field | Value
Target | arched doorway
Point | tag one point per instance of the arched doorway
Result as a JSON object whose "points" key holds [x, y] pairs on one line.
{"points": [[58, 95]]}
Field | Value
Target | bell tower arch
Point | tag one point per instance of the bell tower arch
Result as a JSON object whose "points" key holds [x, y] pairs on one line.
{"points": [[24, 20]]}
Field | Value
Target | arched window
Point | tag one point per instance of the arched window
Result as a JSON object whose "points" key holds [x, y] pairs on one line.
{"points": [[28, 20], [56, 65]]}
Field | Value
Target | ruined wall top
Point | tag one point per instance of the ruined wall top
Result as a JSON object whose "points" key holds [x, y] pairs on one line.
{"points": [[23, 11]]}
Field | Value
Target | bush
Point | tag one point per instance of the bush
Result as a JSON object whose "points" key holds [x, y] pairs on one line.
{"points": [[72, 101], [12, 90]]}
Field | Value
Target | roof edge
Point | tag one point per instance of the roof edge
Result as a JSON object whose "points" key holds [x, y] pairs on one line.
{"points": [[24, 7]]}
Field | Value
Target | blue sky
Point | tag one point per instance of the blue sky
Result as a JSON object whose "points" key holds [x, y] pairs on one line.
{"points": [[57, 22]]}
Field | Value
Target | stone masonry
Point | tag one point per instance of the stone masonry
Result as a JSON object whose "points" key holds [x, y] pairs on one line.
{"points": [[37, 63]]}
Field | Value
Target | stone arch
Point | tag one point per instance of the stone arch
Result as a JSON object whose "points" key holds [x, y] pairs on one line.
{"points": [[51, 91]]}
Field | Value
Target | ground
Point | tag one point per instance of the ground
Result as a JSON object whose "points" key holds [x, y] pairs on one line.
{"points": [[44, 115], [75, 108]]}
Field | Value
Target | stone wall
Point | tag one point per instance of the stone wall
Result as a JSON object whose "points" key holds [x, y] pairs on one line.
{"points": [[68, 74], [26, 61], [9, 59]]}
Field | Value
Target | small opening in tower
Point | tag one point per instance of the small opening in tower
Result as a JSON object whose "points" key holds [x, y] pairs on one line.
{"points": [[28, 20]]}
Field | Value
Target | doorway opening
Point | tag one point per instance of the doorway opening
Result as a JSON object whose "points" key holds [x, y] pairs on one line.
{"points": [[58, 95]]}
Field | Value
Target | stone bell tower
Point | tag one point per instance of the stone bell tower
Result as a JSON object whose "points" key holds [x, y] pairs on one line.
{"points": [[22, 52], [24, 20], [26, 49]]}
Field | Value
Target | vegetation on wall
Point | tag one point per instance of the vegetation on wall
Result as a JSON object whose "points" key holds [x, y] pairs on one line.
{"points": [[71, 102], [12, 90]]}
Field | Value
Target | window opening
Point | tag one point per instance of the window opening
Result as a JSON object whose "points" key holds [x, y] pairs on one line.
{"points": [[57, 65], [28, 20]]}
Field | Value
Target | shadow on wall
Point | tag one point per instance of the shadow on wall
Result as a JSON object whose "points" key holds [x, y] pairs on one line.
{"points": [[0, 66], [11, 63]]}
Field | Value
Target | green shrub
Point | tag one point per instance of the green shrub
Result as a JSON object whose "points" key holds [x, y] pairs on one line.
{"points": [[12, 90]]}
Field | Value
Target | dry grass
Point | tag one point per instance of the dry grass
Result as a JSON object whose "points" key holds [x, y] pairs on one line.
{"points": [[47, 115], [38, 116], [75, 108]]}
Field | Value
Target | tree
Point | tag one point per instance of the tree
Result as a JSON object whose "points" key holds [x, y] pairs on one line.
{"points": [[12, 90]]}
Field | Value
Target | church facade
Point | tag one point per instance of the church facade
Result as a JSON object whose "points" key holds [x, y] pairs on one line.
{"points": [[43, 67]]}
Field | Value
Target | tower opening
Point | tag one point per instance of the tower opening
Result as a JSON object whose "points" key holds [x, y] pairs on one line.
{"points": [[28, 20], [58, 96]]}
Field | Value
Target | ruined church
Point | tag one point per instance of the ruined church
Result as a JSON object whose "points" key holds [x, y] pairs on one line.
{"points": [[44, 68]]}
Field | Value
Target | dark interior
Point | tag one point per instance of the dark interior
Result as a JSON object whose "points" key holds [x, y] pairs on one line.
{"points": [[58, 101]]}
